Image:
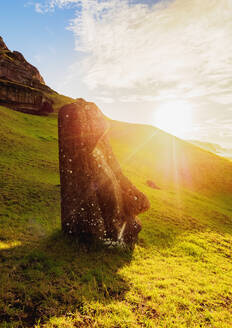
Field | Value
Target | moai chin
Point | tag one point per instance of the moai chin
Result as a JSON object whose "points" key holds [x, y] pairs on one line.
{"points": [[97, 201]]}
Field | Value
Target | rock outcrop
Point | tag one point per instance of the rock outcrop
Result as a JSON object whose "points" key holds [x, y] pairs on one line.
{"points": [[21, 85], [3, 45], [97, 201], [152, 184], [24, 99]]}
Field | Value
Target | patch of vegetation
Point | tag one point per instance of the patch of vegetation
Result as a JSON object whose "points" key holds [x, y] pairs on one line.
{"points": [[180, 272], [59, 100]]}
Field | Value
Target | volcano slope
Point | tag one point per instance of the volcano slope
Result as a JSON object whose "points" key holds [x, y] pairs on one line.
{"points": [[180, 272]]}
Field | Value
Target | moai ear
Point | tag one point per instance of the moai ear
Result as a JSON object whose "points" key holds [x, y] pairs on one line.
{"points": [[85, 123]]}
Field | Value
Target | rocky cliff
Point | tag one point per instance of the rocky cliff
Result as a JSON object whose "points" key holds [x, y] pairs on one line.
{"points": [[21, 85]]}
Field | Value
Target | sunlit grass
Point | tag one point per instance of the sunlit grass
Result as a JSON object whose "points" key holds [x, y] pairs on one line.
{"points": [[180, 272], [9, 244]]}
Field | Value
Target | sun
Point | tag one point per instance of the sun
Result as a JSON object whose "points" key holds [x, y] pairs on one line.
{"points": [[175, 118]]}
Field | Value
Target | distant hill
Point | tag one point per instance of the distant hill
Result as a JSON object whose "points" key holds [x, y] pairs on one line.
{"points": [[214, 148], [169, 160]]}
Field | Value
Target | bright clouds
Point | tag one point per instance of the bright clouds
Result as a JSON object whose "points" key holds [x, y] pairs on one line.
{"points": [[179, 49], [181, 46]]}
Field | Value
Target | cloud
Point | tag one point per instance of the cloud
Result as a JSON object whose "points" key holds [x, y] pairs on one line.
{"points": [[38, 8], [217, 128], [50, 5], [106, 100], [168, 49], [152, 51], [179, 48]]}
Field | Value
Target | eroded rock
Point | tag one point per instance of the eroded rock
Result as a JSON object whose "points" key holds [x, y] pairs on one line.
{"points": [[21, 85], [24, 99], [97, 201], [15, 68], [2, 44], [152, 184]]}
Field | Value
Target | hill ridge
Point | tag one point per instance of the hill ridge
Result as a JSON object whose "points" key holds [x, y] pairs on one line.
{"points": [[179, 274]]}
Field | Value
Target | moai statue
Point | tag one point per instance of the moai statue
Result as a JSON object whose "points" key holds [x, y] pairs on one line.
{"points": [[98, 203]]}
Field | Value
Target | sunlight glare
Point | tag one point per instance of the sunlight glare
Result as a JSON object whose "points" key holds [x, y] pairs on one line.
{"points": [[174, 118]]}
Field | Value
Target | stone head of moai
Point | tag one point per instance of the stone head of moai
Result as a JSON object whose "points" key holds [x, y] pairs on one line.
{"points": [[97, 201]]}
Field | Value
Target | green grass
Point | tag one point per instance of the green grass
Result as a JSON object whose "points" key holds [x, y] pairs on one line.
{"points": [[59, 100], [180, 272]]}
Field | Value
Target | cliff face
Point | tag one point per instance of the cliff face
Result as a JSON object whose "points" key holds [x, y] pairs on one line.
{"points": [[23, 98], [21, 85]]}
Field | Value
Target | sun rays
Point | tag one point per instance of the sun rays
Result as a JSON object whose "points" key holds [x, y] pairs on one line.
{"points": [[174, 117]]}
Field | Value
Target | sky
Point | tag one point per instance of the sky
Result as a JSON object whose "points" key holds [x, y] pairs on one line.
{"points": [[161, 62]]}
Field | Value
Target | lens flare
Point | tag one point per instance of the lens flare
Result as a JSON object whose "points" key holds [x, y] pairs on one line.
{"points": [[175, 118]]}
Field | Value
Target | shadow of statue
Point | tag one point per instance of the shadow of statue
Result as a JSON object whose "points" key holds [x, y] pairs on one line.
{"points": [[57, 276]]}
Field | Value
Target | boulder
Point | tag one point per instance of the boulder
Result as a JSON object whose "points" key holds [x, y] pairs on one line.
{"points": [[98, 202], [46, 107], [152, 184]]}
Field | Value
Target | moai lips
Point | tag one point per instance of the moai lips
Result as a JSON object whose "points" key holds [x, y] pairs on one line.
{"points": [[97, 201]]}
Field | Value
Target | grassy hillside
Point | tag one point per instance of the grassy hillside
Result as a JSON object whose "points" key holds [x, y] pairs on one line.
{"points": [[180, 273], [214, 148], [171, 161]]}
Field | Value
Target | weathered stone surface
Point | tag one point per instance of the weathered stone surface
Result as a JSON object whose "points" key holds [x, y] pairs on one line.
{"points": [[24, 99], [2, 44], [15, 68], [97, 201], [21, 85]]}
